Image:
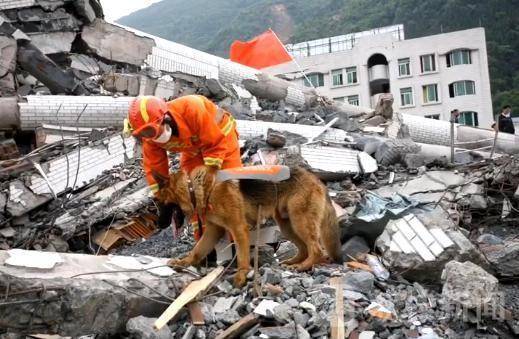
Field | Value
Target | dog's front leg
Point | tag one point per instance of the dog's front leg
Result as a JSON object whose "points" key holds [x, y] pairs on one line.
{"points": [[202, 248], [241, 238]]}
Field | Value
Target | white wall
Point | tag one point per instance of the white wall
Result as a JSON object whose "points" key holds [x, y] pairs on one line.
{"points": [[393, 49]]}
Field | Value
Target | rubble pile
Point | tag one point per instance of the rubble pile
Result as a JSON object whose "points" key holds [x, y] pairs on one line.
{"points": [[430, 245]]}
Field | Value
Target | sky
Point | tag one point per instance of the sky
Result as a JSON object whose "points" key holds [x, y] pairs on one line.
{"points": [[115, 9]]}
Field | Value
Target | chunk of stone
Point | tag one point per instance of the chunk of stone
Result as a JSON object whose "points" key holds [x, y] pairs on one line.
{"points": [[354, 249], [223, 304], [504, 256], [286, 250], [283, 313], [228, 317], [307, 306], [270, 276], [468, 284], [276, 139], [142, 328], [279, 332], [116, 44], [359, 281]]}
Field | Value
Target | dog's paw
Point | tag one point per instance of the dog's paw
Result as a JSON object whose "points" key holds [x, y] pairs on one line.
{"points": [[179, 263], [240, 278]]}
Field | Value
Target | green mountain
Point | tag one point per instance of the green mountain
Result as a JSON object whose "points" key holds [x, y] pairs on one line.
{"points": [[212, 25]]}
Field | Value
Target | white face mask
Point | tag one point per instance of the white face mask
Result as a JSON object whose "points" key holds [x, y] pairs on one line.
{"points": [[165, 136]]}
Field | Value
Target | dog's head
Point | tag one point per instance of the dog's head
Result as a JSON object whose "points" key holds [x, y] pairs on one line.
{"points": [[174, 189]]}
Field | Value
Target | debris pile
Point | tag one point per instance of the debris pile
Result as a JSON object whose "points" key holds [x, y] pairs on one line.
{"points": [[430, 242]]}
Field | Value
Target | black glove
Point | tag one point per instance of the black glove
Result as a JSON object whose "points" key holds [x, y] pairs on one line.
{"points": [[169, 212]]}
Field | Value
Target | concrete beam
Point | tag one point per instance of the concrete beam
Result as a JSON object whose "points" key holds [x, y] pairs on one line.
{"points": [[62, 296]]}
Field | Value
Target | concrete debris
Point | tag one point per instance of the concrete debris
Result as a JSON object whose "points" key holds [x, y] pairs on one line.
{"points": [[83, 305], [469, 285], [142, 328], [424, 241], [113, 43]]}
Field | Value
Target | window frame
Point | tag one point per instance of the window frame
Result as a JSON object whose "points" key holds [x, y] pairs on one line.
{"points": [[408, 68], [474, 118], [451, 57], [456, 90], [410, 94], [351, 98], [352, 70], [337, 72], [432, 57], [433, 116], [424, 91], [320, 80]]}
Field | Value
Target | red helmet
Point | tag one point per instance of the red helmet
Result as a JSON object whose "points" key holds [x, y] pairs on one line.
{"points": [[145, 116]]}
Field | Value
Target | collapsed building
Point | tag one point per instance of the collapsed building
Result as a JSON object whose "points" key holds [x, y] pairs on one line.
{"points": [[435, 201]]}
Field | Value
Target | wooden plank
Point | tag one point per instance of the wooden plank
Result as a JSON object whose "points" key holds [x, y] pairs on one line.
{"points": [[239, 327], [195, 313], [189, 294], [338, 321]]}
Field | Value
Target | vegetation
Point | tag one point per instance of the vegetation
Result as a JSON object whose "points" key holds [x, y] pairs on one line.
{"points": [[212, 25]]}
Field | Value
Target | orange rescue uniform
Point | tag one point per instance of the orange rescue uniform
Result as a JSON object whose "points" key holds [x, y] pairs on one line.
{"points": [[206, 136]]}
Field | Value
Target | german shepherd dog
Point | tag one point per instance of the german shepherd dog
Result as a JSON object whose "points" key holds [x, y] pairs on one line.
{"points": [[300, 206]]}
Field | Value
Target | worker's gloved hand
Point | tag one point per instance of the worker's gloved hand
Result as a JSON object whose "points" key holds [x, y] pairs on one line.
{"points": [[203, 178], [169, 212]]}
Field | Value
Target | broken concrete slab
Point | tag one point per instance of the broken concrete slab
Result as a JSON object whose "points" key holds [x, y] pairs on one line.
{"points": [[421, 243], [114, 43], [84, 63], [77, 300], [429, 182], [53, 42], [503, 255], [8, 49], [128, 84], [22, 199], [469, 285], [142, 328]]}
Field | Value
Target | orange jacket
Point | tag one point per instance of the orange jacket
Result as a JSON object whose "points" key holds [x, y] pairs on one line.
{"points": [[207, 136]]}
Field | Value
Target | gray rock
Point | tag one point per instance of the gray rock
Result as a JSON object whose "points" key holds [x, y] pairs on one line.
{"points": [[283, 313], [504, 257], [301, 318], [354, 248], [266, 255], [489, 239], [280, 332], [142, 328], [276, 138], [302, 333], [292, 302], [468, 284], [319, 299], [286, 250], [228, 318], [270, 276], [359, 281]]}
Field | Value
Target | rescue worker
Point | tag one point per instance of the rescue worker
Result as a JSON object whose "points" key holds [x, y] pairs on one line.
{"points": [[203, 134]]}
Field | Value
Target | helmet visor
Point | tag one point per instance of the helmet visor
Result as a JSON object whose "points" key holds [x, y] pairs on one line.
{"points": [[149, 131]]}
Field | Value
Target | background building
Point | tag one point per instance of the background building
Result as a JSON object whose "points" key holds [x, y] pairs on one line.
{"points": [[427, 76]]}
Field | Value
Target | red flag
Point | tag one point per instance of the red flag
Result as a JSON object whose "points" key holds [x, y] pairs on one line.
{"points": [[263, 51]]}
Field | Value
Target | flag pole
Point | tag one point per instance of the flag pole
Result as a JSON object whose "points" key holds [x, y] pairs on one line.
{"points": [[294, 60]]}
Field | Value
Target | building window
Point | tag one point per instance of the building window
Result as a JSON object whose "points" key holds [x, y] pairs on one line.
{"points": [[353, 100], [351, 74], [404, 67], [428, 63], [339, 99], [432, 116], [337, 77], [406, 96], [469, 119], [316, 80], [459, 57], [430, 93], [460, 88]]}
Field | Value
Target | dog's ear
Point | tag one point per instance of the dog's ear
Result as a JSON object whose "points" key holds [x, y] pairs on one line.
{"points": [[161, 180]]}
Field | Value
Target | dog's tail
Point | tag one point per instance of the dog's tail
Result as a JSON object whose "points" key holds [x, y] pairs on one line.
{"points": [[330, 232]]}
